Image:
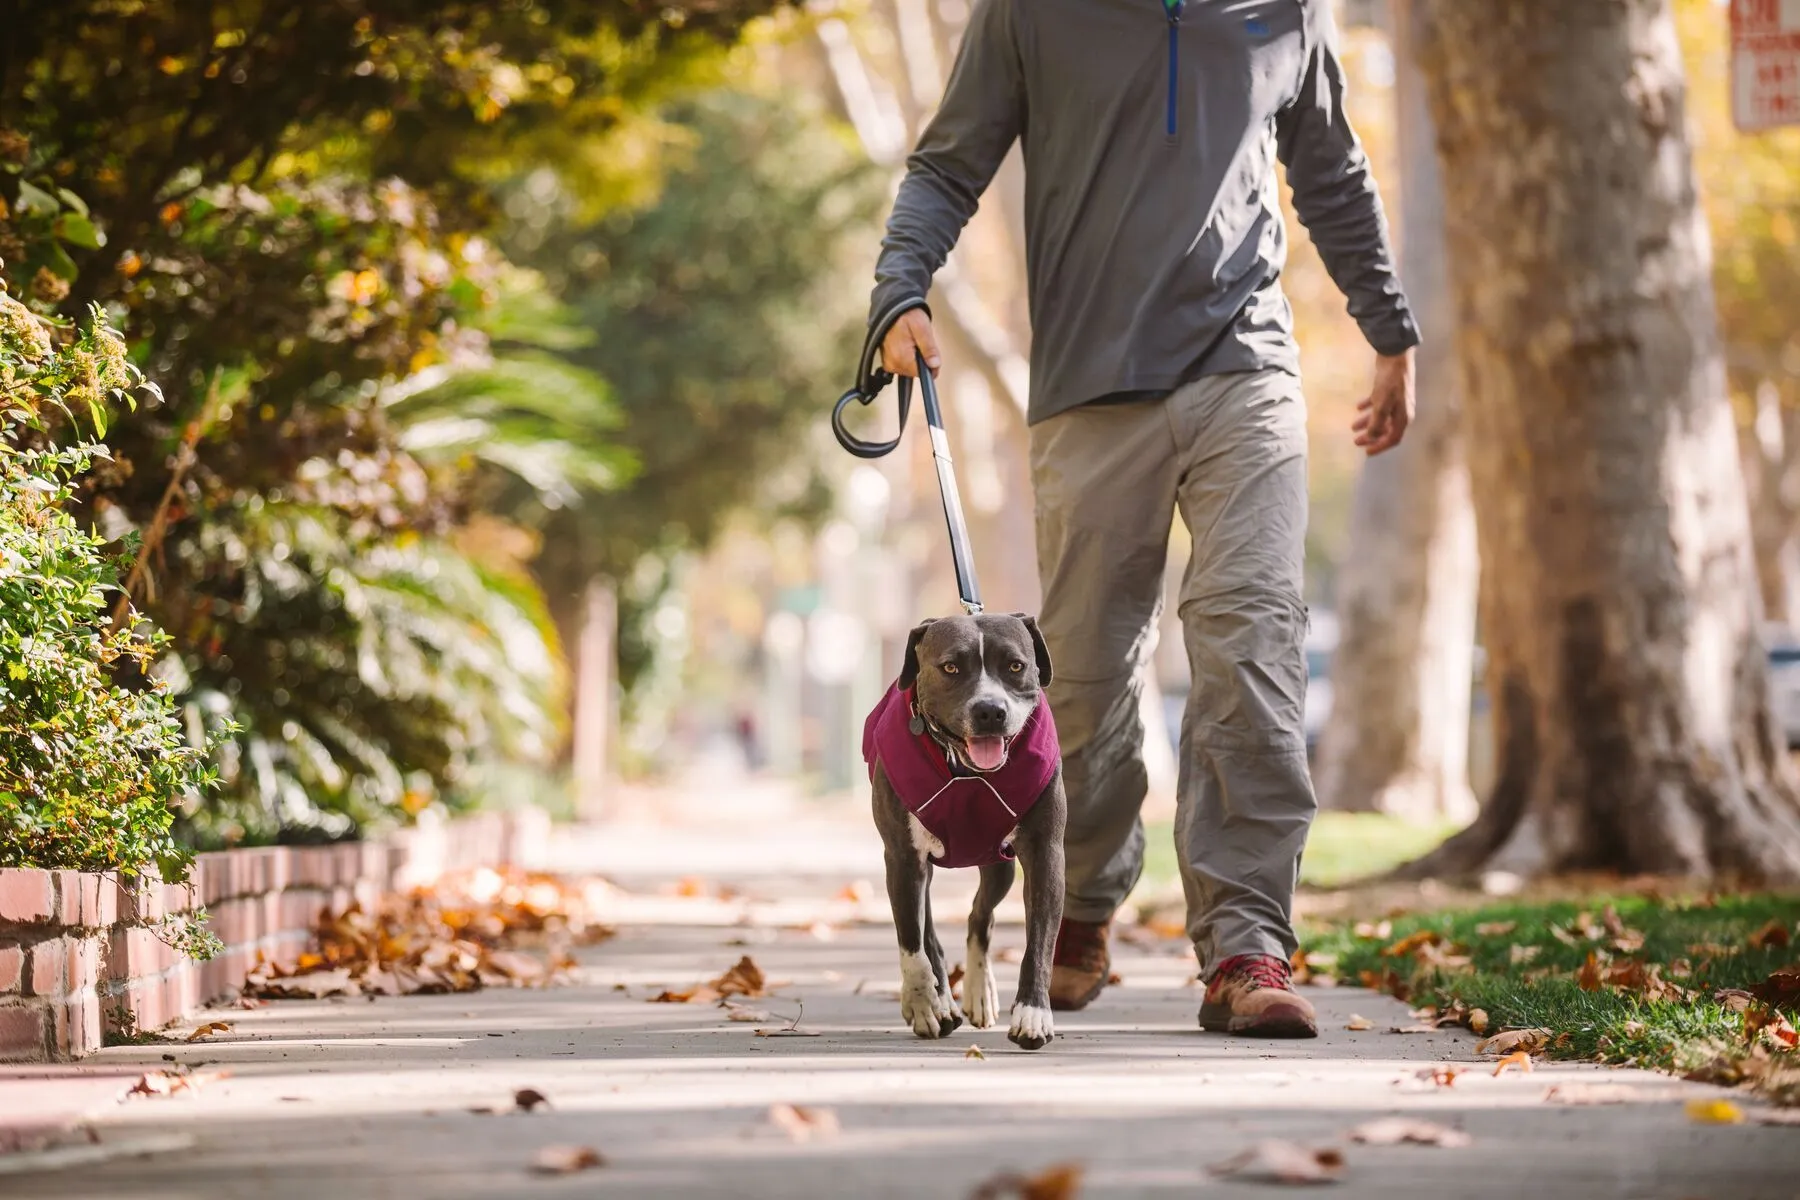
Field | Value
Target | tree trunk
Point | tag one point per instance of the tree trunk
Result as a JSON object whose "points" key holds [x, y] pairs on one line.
{"points": [[1397, 740], [1767, 445], [1632, 707]]}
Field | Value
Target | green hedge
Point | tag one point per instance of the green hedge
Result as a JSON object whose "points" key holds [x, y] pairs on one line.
{"points": [[93, 753]]}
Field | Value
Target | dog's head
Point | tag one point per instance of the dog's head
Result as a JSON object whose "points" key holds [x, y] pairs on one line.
{"points": [[976, 681]]}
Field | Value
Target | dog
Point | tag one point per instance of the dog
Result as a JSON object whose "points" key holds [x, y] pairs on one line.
{"points": [[963, 732]]}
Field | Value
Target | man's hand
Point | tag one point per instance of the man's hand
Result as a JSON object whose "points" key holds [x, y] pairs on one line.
{"points": [[911, 332], [1381, 420]]}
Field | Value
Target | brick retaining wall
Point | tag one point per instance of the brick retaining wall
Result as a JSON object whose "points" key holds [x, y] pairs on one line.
{"points": [[79, 953]]}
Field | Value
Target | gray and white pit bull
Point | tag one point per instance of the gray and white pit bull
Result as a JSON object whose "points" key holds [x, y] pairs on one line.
{"points": [[975, 683]]}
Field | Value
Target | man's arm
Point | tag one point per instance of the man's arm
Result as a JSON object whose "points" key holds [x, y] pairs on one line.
{"points": [[1336, 198], [982, 114]]}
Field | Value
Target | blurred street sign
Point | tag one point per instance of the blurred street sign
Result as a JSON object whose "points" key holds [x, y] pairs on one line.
{"points": [[1765, 63]]}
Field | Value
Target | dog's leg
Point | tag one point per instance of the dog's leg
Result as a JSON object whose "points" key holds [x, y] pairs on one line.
{"points": [[980, 998], [1040, 847], [946, 1007], [906, 883]]}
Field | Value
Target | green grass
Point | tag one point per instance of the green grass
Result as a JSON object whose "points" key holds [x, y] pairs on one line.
{"points": [[1701, 946], [1343, 847]]}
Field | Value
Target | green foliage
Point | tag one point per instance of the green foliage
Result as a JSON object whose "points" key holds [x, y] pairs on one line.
{"points": [[1342, 847], [88, 766], [716, 327]]}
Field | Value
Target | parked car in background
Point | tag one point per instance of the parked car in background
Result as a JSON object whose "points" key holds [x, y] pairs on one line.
{"points": [[1783, 648]]}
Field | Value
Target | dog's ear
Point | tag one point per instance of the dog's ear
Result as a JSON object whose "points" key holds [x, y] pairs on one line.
{"points": [[1038, 647], [909, 662]]}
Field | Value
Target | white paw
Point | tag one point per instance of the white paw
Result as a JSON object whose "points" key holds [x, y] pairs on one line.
{"points": [[980, 1000], [1032, 1026], [921, 1006]]}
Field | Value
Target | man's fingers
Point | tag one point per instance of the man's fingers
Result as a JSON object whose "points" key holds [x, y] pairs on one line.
{"points": [[925, 338], [897, 352]]}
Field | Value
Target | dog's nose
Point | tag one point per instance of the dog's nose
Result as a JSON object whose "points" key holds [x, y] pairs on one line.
{"points": [[988, 717]]}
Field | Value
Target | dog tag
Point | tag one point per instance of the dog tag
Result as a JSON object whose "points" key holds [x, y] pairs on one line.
{"points": [[916, 726]]}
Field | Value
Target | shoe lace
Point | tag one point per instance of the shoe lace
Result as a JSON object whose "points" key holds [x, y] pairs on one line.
{"points": [[1263, 970]]}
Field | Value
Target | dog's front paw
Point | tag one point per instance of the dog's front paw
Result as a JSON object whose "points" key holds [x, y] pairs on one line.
{"points": [[1032, 1028], [980, 999], [922, 1007]]}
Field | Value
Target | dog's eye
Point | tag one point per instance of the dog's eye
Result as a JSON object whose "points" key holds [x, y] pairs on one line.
{"points": [[1016, 667], [950, 668]]}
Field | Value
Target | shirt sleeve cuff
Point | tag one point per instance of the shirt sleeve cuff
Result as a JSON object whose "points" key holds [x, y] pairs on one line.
{"points": [[1393, 336]]}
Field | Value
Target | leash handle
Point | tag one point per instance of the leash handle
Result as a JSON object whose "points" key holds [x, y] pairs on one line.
{"points": [[870, 379]]}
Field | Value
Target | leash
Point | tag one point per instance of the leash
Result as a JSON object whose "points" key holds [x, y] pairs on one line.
{"points": [[870, 379]]}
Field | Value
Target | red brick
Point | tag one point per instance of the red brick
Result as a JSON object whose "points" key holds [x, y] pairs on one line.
{"points": [[47, 969], [138, 952], [12, 968], [84, 964], [25, 1033], [106, 903], [26, 896]]}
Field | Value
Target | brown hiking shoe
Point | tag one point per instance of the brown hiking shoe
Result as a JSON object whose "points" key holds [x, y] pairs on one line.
{"points": [[1080, 966], [1254, 994]]}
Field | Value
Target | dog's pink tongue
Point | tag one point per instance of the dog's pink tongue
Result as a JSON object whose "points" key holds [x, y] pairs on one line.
{"points": [[986, 753]]}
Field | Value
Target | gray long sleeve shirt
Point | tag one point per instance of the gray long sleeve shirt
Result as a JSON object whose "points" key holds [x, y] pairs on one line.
{"points": [[1153, 231]]}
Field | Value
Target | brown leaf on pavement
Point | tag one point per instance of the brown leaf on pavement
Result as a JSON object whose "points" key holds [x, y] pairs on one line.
{"points": [[1061, 1182], [1358, 1023], [857, 891], [745, 978], [956, 978], [738, 1012], [1442, 1074], [1529, 1040], [1518, 1058], [529, 1099], [172, 1082], [1772, 936], [208, 1029], [803, 1124], [566, 1160], [1478, 1021], [1391, 1131], [700, 993], [1277, 1161], [973, 1052]]}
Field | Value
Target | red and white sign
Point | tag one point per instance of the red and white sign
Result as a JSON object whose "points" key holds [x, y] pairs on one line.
{"points": [[1765, 63]]}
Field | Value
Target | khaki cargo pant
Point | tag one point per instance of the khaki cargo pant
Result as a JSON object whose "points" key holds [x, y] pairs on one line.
{"points": [[1228, 451]]}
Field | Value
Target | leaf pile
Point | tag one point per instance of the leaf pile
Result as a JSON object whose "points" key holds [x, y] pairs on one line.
{"points": [[455, 937]]}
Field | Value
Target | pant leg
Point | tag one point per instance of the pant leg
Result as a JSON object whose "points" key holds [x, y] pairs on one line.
{"points": [[1104, 478], [1245, 801]]}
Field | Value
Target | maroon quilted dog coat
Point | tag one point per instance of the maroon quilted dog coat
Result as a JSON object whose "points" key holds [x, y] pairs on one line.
{"points": [[970, 812]]}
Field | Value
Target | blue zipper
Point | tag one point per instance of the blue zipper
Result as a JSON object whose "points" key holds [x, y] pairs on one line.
{"points": [[1172, 9]]}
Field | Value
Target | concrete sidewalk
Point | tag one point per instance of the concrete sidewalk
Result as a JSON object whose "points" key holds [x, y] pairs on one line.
{"points": [[356, 1098]]}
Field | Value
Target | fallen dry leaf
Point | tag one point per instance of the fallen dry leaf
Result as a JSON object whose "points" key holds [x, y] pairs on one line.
{"points": [[1358, 1023], [1781, 988], [1520, 955], [1056, 1183], [802, 1124], [1391, 1131], [1518, 1058], [1284, 1162], [1761, 1022], [737, 1012], [1375, 931], [1496, 928], [692, 887], [1772, 936], [1714, 1112], [1443, 1075], [1114, 979], [530, 1099], [857, 891], [208, 1029], [700, 993], [1734, 999], [744, 978], [956, 978], [1412, 943], [173, 1082], [1529, 1040], [973, 1052], [1009, 954], [566, 1160], [1478, 1021]]}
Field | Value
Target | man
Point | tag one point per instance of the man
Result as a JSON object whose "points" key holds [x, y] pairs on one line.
{"points": [[1164, 377]]}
